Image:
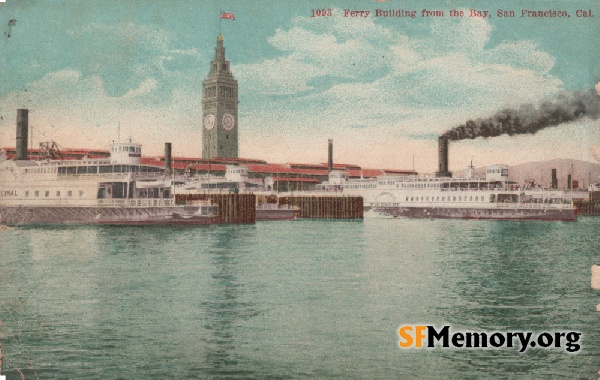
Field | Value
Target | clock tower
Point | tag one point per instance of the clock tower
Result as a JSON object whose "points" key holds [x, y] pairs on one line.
{"points": [[220, 108]]}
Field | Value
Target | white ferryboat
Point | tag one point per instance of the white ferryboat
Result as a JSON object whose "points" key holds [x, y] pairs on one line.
{"points": [[118, 190], [492, 197]]}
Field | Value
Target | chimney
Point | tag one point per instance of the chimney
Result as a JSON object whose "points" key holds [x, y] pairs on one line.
{"points": [[330, 157], [569, 182], [443, 157], [554, 179], [168, 157], [22, 134]]}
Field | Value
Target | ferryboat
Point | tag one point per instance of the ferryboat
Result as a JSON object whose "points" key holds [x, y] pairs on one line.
{"points": [[116, 190], [428, 196]]}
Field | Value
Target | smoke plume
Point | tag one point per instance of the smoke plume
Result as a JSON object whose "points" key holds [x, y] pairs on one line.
{"points": [[529, 118]]}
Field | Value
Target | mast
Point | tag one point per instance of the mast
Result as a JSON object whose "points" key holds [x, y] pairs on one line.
{"points": [[571, 184]]}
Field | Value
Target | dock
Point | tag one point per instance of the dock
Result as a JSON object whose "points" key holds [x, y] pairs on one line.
{"points": [[326, 207], [590, 206], [232, 208], [240, 208]]}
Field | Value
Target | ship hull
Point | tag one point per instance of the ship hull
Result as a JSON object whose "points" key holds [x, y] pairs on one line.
{"points": [[549, 214], [14, 216]]}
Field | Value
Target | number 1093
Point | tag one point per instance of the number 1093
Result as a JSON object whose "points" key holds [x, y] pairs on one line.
{"points": [[320, 12]]}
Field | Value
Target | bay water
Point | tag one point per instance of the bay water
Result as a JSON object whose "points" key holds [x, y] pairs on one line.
{"points": [[298, 299]]}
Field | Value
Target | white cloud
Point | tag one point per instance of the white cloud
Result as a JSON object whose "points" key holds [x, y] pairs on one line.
{"points": [[284, 75], [146, 87], [75, 111], [314, 48], [464, 35], [450, 66]]}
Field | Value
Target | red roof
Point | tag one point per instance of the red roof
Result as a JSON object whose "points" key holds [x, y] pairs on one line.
{"points": [[295, 179], [152, 161], [215, 160], [377, 172], [343, 166], [210, 167], [394, 171], [218, 164], [369, 173], [282, 169], [157, 162], [268, 168], [307, 166]]}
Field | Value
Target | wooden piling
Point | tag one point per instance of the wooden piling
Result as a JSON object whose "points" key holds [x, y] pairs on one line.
{"points": [[231, 208], [324, 207], [587, 207]]}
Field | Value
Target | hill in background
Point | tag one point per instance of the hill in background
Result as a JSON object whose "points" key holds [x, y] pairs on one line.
{"points": [[541, 172]]}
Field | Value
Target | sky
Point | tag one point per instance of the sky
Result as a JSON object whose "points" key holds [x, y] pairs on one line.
{"points": [[383, 89]]}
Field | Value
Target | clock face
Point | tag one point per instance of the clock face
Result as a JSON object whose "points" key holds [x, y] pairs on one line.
{"points": [[228, 122], [209, 122]]}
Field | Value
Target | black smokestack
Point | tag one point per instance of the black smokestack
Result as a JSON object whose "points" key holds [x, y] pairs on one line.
{"points": [[569, 182], [443, 157], [330, 156], [168, 157], [554, 179], [22, 134], [530, 119]]}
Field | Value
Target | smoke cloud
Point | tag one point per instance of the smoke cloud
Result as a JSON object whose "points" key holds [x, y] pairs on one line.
{"points": [[531, 119]]}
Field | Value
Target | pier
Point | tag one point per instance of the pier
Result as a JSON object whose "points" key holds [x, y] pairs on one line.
{"points": [[241, 208], [590, 206], [326, 207]]}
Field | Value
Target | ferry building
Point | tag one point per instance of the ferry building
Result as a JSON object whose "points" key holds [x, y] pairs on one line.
{"points": [[220, 108]]}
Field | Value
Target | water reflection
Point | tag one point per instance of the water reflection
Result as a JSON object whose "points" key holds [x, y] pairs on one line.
{"points": [[228, 301]]}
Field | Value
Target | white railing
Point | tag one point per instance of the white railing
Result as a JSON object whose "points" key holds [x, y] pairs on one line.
{"points": [[476, 189], [137, 202], [478, 205], [132, 175], [533, 205]]}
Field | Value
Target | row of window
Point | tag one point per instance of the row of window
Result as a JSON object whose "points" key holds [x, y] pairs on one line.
{"points": [[363, 186], [40, 170], [242, 171], [224, 91], [223, 66], [476, 198], [58, 193], [94, 169], [433, 185], [106, 169], [418, 185], [132, 149]]}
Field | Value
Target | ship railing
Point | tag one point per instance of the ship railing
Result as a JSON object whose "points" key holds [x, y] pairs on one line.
{"points": [[134, 175], [137, 202], [137, 175], [533, 205], [478, 189]]}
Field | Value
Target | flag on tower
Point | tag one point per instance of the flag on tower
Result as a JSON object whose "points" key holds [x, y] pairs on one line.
{"points": [[227, 15]]}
